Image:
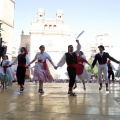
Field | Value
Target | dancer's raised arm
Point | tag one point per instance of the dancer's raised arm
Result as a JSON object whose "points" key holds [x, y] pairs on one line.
{"points": [[78, 47]]}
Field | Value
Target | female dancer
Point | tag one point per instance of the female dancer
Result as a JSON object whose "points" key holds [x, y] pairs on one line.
{"points": [[81, 72], [41, 70], [22, 59], [5, 72]]}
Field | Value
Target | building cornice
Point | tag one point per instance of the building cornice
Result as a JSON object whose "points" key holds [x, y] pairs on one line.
{"points": [[7, 24], [50, 33]]}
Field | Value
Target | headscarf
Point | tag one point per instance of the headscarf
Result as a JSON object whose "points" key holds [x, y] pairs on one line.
{"points": [[25, 50]]}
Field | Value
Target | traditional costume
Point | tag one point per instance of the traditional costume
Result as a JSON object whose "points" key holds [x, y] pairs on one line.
{"points": [[41, 70], [102, 66], [81, 72], [71, 60], [6, 72], [21, 68]]}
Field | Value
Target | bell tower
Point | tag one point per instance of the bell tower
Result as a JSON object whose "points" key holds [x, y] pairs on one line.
{"points": [[41, 14], [60, 15]]}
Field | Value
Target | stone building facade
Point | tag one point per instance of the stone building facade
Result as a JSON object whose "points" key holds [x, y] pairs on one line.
{"points": [[7, 23], [54, 34], [101, 39]]}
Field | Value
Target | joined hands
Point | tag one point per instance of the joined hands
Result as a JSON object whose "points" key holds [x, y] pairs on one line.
{"points": [[55, 67]]}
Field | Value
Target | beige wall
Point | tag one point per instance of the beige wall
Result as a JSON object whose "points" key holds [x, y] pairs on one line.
{"points": [[7, 20], [1, 9], [7, 36], [25, 42]]}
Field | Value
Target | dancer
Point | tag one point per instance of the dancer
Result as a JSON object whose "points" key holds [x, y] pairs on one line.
{"points": [[83, 56], [22, 59], [102, 57], [5, 72], [41, 70], [81, 72], [110, 71], [71, 59]]}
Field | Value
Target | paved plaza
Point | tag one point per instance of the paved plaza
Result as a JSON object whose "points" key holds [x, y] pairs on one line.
{"points": [[56, 104]]}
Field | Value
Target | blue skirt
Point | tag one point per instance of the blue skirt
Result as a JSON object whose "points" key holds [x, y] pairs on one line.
{"points": [[7, 77]]}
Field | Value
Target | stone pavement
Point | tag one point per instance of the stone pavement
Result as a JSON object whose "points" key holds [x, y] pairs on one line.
{"points": [[56, 104]]}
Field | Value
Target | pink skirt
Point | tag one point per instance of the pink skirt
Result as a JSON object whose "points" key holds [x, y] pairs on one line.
{"points": [[42, 75]]}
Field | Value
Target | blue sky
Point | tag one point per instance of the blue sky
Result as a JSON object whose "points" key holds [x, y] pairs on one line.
{"points": [[93, 16]]}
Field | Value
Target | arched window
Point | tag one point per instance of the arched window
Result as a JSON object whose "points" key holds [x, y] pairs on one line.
{"points": [[41, 16], [59, 16], [54, 27], [50, 27], [45, 27]]}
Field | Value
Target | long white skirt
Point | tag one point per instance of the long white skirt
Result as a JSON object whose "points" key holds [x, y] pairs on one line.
{"points": [[2, 71], [84, 76]]}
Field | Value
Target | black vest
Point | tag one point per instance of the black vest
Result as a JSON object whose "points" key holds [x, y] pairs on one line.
{"points": [[71, 59], [21, 58]]}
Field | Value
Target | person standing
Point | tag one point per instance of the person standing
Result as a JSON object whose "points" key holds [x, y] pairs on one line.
{"points": [[22, 59], [41, 70], [110, 71], [71, 59], [102, 57]]}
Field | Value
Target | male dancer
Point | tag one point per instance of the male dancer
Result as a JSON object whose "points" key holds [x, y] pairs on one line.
{"points": [[21, 69], [71, 59], [102, 57]]}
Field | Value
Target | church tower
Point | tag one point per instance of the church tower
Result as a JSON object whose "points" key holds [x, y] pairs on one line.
{"points": [[60, 15], [41, 14]]}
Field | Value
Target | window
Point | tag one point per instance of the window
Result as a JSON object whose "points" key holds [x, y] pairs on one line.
{"points": [[54, 27], [59, 16], [45, 27], [41, 15], [50, 27]]}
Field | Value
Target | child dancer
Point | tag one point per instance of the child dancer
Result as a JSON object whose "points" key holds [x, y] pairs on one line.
{"points": [[5, 72]]}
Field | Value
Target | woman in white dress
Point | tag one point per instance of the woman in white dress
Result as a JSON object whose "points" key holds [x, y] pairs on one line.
{"points": [[5, 72], [41, 70]]}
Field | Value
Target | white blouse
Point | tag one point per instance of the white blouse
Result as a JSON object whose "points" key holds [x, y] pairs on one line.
{"points": [[63, 59], [42, 56], [5, 62]]}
